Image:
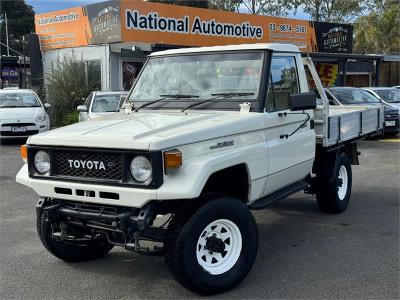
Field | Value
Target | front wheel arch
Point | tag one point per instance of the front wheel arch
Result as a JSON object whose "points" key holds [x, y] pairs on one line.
{"points": [[232, 181]]}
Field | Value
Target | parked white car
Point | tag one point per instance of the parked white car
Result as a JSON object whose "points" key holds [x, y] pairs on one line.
{"points": [[22, 114], [100, 104]]}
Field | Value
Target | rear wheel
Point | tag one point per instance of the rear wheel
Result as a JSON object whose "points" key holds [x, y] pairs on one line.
{"points": [[69, 251], [333, 185], [212, 249]]}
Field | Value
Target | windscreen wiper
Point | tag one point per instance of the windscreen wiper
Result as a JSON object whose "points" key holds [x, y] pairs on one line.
{"points": [[174, 96], [216, 96]]}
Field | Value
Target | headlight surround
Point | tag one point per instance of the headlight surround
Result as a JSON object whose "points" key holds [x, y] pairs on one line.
{"points": [[41, 161], [41, 117], [141, 169]]}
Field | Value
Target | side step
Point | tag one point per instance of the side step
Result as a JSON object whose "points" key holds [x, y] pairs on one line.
{"points": [[278, 195]]}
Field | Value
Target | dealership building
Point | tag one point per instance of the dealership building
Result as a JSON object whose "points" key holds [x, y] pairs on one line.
{"points": [[113, 38]]}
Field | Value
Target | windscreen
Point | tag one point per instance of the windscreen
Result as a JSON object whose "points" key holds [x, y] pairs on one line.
{"points": [[11, 100], [354, 96], [200, 76], [106, 103], [389, 95]]}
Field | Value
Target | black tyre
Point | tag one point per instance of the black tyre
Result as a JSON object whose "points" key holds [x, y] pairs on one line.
{"points": [[333, 188], [211, 249], [67, 251]]}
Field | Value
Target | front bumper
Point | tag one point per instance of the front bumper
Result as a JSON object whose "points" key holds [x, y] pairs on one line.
{"points": [[31, 127], [87, 192], [392, 124]]}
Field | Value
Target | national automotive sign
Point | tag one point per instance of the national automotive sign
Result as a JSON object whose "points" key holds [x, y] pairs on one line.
{"points": [[153, 22], [157, 23]]}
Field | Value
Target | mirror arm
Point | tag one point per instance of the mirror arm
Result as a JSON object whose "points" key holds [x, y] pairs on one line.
{"points": [[286, 136]]}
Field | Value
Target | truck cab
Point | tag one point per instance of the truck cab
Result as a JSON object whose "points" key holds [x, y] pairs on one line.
{"points": [[205, 136]]}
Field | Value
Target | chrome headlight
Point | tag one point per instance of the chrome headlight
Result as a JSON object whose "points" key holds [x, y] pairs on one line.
{"points": [[141, 169], [41, 118], [41, 161]]}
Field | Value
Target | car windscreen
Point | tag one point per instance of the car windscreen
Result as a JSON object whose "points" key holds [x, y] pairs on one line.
{"points": [[354, 96], [106, 103], [12, 100], [201, 76], [389, 95]]}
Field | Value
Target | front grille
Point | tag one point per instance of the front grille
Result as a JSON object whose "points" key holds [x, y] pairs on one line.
{"points": [[105, 166], [25, 133], [17, 124]]}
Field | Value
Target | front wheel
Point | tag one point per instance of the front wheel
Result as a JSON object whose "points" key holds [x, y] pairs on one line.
{"points": [[212, 249], [334, 185]]}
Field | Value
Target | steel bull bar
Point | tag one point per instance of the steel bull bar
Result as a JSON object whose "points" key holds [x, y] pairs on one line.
{"points": [[137, 219]]}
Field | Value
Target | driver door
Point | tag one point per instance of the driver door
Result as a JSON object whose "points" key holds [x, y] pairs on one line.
{"points": [[289, 157]]}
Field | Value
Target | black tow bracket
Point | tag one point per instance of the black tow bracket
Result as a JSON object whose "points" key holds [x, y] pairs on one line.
{"points": [[47, 211], [145, 217]]}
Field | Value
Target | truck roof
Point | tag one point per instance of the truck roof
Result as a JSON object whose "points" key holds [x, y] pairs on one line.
{"points": [[259, 46]]}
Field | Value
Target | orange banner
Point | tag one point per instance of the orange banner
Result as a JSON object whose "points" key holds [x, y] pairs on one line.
{"points": [[187, 26], [63, 28], [155, 23]]}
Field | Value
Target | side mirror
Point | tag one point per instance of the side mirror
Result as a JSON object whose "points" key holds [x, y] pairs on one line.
{"points": [[47, 105], [82, 108], [302, 101]]}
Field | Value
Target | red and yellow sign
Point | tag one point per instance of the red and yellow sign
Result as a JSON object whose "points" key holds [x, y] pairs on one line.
{"points": [[63, 29], [328, 73], [147, 22]]}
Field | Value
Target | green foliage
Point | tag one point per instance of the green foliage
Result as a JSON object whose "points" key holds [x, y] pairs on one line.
{"points": [[334, 10], [256, 7], [20, 19], [71, 118], [67, 87], [378, 32]]}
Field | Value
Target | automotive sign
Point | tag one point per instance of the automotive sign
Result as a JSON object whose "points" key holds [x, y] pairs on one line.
{"points": [[157, 23], [63, 29], [333, 37], [187, 26], [104, 20]]}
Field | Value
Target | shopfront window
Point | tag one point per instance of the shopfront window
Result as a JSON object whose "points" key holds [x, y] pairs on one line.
{"points": [[93, 72]]}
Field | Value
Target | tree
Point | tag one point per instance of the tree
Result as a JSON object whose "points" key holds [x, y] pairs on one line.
{"points": [[20, 19], [378, 32], [255, 7], [67, 84], [338, 11], [193, 3], [227, 5], [268, 7]]}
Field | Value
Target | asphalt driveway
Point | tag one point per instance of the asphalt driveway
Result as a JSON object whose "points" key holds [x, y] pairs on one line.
{"points": [[303, 253]]}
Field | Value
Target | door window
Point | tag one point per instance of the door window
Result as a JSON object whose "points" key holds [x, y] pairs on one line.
{"points": [[283, 81]]}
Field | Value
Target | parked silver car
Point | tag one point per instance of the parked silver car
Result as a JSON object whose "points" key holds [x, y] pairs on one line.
{"points": [[359, 96], [388, 95], [101, 103], [22, 114]]}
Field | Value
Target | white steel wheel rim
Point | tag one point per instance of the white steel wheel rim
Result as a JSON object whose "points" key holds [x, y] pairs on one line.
{"points": [[342, 190], [211, 238]]}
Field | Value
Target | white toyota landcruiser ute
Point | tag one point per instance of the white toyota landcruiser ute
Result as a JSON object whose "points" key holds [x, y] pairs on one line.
{"points": [[204, 136]]}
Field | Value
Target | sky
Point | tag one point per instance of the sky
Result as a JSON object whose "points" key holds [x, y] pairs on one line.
{"points": [[42, 6]]}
